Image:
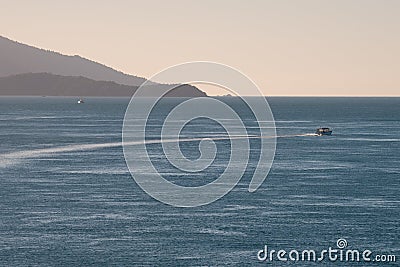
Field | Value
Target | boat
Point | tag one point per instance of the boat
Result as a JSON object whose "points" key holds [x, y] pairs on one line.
{"points": [[323, 131], [80, 101]]}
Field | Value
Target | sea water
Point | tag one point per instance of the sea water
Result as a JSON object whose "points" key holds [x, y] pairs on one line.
{"points": [[67, 197]]}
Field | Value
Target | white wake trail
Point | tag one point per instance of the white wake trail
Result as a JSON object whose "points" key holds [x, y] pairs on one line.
{"points": [[9, 159]]}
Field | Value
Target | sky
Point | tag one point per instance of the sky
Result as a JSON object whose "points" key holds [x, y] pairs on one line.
{"points": [[288, 48]]}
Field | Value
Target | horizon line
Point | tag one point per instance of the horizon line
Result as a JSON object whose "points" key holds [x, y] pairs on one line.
{"points": [[295, 96]]}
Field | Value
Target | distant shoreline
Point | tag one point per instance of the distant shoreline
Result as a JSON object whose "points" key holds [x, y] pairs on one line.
{"points": [[188, 97]]}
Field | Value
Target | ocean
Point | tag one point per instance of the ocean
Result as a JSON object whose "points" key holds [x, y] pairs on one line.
{"points": [[68, 198]]}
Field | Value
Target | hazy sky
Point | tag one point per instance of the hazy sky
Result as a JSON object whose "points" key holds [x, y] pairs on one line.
{"points": [[298, 47]]}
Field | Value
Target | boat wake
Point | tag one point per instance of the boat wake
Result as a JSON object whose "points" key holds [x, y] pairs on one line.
{"points": [[309, 134], [13, 158]]}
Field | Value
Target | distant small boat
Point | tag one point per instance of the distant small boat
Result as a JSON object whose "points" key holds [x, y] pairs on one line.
{"points": [[80, 101], [323, 131]]}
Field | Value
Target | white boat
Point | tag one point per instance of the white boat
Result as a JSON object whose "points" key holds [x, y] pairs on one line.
{"points": [[80, 101]]}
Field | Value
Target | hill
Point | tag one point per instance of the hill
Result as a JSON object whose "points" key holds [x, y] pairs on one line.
{"points": [[34, 65], [47, 84]]}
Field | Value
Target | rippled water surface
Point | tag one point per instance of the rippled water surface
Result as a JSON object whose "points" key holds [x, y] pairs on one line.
{"points": [[67, 197]]}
